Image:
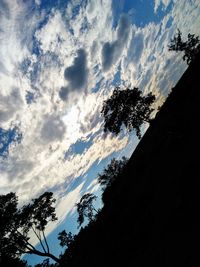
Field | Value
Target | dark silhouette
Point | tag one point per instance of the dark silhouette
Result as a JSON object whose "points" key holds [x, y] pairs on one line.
{"points": [[65, 238], [190, 48], [127, 108], [111, 172], [86, 209], [7, 261], [16, 225], [150, 215]]}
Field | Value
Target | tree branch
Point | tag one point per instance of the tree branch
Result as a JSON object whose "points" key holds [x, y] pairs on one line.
{"points": [[39, 238], [22, 250], [33, 250], [49, 255], [45, 240]]}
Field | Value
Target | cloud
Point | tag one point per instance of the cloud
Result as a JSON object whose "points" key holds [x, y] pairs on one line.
{"points": [[4, 8], [3, 69], [63, 93], [52, 129], [136, 47], [186, 17], [158, 3], [111, 52], [10, 104], [18, 170], [76, 75]]}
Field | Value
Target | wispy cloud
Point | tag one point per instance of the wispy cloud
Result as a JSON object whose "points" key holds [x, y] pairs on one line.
{"points": [[111, 52], [163, 3]]}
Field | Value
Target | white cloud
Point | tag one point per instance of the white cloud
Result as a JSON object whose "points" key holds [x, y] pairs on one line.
{"points": [[10, 104], [186, 17], [157, 4], [53, 36]]}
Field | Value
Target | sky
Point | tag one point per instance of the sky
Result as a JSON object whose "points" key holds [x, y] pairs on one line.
{"points": [[59, 60]]}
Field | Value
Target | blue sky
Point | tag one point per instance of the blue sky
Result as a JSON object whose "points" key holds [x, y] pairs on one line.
{"points": [[59, 60]]}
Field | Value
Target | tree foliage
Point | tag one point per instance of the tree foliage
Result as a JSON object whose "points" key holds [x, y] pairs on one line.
{"points": [[65, 238], [111, 172], [127, 107], [190, 48], [17, 224], [86, 209]]}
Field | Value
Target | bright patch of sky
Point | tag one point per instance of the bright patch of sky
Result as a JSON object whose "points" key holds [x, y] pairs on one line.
{"points": [[59, 60]]}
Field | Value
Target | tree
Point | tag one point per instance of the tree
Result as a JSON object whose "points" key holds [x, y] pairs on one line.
{"points": [[85, 208], [17, 224], [127, 107], [111, 172], [191, 47], [65, 238]]}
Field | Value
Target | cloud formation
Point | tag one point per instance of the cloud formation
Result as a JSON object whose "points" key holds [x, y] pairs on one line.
{"points": [[158, 3], [10, 104], [4, 9], [76, 75], [111, 52], [52, 129]]}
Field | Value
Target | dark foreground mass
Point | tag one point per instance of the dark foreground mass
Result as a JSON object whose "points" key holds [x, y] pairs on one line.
{"points": [[151, 212]]}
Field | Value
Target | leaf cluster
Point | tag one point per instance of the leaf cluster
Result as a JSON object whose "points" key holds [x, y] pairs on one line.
{"points": [[190, 47], [66, 239]]}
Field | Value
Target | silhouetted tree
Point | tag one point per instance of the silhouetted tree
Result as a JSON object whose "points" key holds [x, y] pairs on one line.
{"points": [[127, 107], [65, 238], [111, 172], [191, 47], [86, 209], [17, 224]]}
